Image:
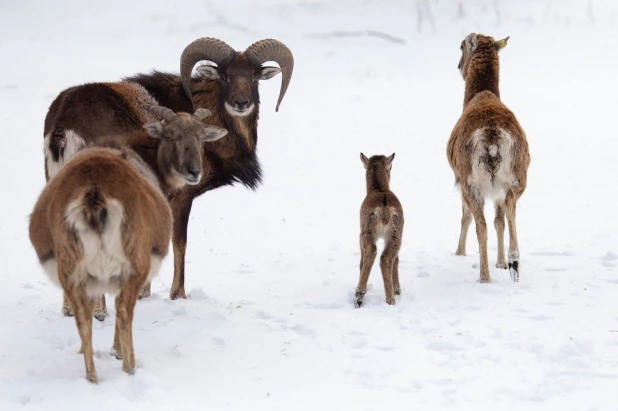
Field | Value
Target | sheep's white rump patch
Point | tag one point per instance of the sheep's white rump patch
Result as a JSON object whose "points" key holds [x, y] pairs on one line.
{"points": [[72, 145]]}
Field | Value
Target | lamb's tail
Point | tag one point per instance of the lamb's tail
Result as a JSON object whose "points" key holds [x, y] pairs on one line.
{"points": [[387, 216]]}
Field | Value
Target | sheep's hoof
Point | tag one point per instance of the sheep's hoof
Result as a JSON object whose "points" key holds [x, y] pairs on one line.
{"points": [[100, 315], [358, 301], [485, 279], [178, 294], [501, 264], [128, 369], [514, 270], [92, 378], [391, 300], [460, 252], [67, 311], [398, 292], [145, 293], [115, 352]]}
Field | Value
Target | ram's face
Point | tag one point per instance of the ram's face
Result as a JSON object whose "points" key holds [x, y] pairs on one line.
{"points": [[238, 83]]}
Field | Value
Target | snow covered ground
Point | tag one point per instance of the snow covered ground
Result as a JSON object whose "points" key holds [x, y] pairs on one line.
{"points": [[269, 323]]}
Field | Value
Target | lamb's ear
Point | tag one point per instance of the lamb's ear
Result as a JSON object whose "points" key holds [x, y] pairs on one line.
{"points": [[269, 72], [202, 113], [471, 43], [212, 133], [365, 160], [389, 161], [500, 44], [209, 71], [154, 130]]}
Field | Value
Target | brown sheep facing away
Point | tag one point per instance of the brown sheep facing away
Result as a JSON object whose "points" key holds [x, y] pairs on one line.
{"points": [[102, 223], [488, 153]]}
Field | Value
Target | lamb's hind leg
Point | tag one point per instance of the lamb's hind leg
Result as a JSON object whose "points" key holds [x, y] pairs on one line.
{"points": [[396, 276], [466, 219], [499, 224], [368, 256], [387, 263], [510, 204]]}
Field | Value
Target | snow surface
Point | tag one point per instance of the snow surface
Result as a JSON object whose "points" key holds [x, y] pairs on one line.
{"points": [[269, 323]]}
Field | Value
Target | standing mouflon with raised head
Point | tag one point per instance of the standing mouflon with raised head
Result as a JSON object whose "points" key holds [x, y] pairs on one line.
{"points": [[488, 153], [381, 216]]}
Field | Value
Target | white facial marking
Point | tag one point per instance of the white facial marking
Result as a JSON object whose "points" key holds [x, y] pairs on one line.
{"points": [[233, 112]]}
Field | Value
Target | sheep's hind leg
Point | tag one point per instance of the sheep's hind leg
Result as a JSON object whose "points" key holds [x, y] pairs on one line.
{"points": [[499, 225], [514, 268], [475, 203], [466, 220]]}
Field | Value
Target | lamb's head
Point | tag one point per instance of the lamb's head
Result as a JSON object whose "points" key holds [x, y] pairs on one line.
{"points": [[478, 47], [237, 72], [378, 166], [181, 135]]}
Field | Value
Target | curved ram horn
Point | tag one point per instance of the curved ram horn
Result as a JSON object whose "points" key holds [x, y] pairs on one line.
{"points": [[167, 114], [205, 48], [273, 50]]}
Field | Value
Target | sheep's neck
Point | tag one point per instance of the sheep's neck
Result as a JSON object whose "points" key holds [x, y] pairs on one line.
{"points": [[484, 75], [377, 181]]}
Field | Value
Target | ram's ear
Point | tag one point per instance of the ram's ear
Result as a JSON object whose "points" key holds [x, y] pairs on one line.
{"points": [[269, 72], [209, 71], [154, 130], [365, 160], [500, 44]]}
